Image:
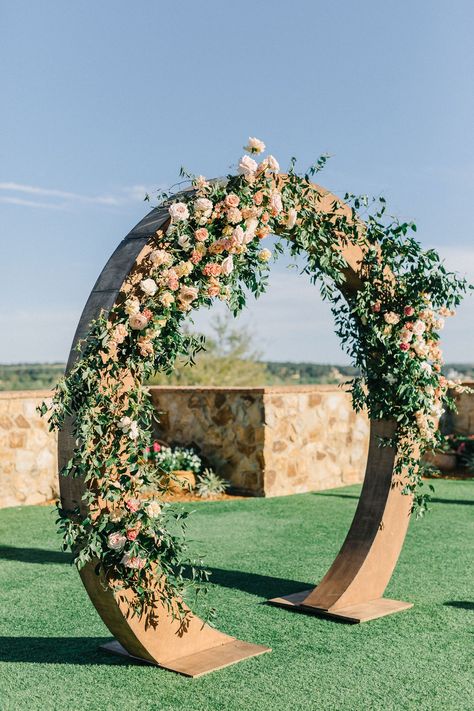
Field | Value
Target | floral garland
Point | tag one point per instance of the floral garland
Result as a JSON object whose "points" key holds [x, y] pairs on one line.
{"points": [[212, 248]]}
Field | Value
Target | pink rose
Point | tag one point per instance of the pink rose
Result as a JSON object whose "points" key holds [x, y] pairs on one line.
{"points": [[138, 321], [133, 505], [404, 346], [132, 534], [408, 310], [214, 288], [156, 447]]}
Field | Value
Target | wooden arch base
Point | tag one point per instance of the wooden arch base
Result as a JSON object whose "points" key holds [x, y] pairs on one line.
{"points": [[352, 589], [199, 648]]}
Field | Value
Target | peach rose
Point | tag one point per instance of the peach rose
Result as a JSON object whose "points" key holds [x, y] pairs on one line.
{"points": [[119, 333], [187, 294], [167, 299], [201, 234], [138, 321], [232, 200], [212, 269], [145, 346]]}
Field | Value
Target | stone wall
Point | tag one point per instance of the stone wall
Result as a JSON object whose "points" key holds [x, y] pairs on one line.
{"points": [[269, 441], [266, 441], [28, 469]]}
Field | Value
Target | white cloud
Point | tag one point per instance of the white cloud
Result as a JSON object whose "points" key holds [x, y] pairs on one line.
{"points": [[64, 199]]}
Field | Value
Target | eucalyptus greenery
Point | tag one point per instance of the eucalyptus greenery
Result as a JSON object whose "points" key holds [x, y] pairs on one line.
{"points": [[387, 312]]}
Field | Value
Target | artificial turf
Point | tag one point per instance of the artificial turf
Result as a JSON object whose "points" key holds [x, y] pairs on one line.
{"points": [[257, 548]]}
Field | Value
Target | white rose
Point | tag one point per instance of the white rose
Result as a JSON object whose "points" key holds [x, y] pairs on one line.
{"points": [[254, 146], [138, 321], [149, 287], [124, 423], [133, 431], [178, 212], [426, 367], [247, 166], [227, 265]]}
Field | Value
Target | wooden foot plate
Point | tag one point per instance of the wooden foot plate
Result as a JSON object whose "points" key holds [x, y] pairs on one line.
{"points": [[202, 662], [360, 612]]}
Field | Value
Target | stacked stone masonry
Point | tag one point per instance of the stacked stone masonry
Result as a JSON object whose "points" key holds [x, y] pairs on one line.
{"points": [[268, 441]]}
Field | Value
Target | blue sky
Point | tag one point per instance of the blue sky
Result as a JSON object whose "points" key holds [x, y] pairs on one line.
{"points": [[102, 101]]}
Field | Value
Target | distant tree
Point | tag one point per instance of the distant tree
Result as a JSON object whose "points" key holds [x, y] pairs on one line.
{"points": [[229, 359]]}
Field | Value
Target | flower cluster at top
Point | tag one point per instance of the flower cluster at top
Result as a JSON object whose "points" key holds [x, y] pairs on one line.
{"points": [[211, 247]]}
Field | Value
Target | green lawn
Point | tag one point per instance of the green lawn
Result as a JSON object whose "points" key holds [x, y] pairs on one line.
{"points": [[419, 659]]}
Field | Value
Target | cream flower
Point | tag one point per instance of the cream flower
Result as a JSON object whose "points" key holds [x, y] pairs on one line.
{"points": [[132, 306], [203, 205], [153, 509], [178, 212], [254, 145], [247, 166], [264, 255], [187, 294], [159, 257], [184, 242], [391, 318], [149, 287], [167, 299]]}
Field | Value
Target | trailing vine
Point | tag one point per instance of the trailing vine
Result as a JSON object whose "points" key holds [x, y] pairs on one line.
{"points": [[211, 248]]}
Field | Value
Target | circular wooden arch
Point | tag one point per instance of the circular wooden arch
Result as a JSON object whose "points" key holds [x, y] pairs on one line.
{"points": [[353, 587]]}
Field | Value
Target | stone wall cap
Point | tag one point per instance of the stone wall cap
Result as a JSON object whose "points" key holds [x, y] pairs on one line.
{"points": [[24, 394], [261, 390]]}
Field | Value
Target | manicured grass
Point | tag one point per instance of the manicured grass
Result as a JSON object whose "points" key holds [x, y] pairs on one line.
{"points": [[421, 659]]}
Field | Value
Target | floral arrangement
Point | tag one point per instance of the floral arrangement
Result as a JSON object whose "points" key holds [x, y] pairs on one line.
{"points": [[171, 459], [211, 248]]}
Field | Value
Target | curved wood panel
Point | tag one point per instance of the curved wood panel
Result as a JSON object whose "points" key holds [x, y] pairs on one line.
{"points": [[199, 648]]}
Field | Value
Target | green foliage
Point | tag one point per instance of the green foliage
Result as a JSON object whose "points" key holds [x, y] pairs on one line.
{"points": [[209, 484]]}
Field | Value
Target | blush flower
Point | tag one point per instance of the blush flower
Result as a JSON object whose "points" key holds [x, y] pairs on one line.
{"points": [[153, 509], [291, 218], [419, 327], [187, 294], [247, 166], [178, 212], [135, 562], [227, 266]]}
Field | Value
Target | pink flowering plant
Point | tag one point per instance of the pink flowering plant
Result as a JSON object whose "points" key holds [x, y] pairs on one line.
{"points": [[211, 248]]}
